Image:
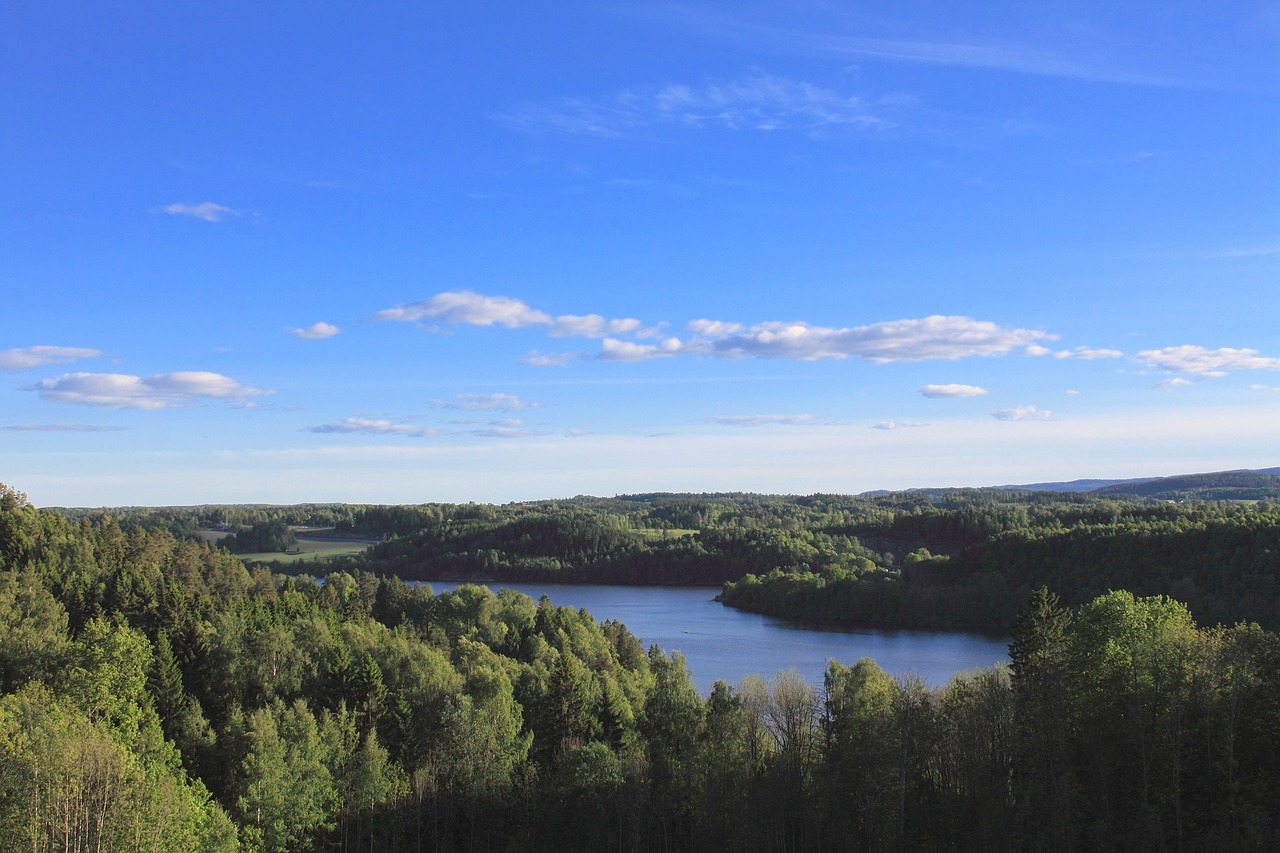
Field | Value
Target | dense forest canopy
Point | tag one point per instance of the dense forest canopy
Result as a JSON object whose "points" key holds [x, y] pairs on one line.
{"points": [[155, 694]]}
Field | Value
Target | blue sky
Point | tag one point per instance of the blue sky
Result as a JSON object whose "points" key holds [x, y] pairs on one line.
{"points": [[299, 252]]}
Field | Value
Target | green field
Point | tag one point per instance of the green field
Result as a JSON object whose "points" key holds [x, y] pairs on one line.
{"points": [[663, 533], [309, 550]]}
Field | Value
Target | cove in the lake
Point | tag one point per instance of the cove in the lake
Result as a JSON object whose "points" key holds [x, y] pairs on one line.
{"points": [[720, 643]]}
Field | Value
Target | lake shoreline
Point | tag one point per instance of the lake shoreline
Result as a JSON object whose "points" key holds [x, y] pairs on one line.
{"points": [[723, 643]]}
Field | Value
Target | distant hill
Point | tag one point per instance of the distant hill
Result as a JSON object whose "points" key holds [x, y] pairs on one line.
{"points": [[1240, 485], [1072, 485], [1216, 486]]}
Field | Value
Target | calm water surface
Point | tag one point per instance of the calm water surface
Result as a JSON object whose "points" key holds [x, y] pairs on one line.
{"points": [[719, 642]]}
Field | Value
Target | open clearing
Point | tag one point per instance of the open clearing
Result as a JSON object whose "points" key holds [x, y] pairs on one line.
{"points": [[664, 533], [309, 548]]}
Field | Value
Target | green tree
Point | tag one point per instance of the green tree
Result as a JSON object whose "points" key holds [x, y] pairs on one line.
{"points": [[1133, 661], [33, 630], [286, 796], [1039, 670], [860, 759]]}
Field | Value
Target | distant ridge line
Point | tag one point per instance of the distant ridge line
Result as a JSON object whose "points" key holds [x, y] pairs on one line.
{"points": [[1225, 483]]}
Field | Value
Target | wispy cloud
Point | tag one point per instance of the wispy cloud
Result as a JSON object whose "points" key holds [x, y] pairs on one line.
{"points": [[974, 52], [376, 426], [760, 102], [162, 391], [1088, 353], [1176, 382], [1261, 251], [500, 422], [315, 332], [953, 390], [486, 402], [550, 359], [990, 55], [383, 426], [64, 428], [24, 358], [1022, 413], [507, 432], [760, 420], [1200, 361], [892, 425], [207, 210]]}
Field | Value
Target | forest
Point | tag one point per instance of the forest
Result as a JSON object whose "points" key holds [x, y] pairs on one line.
{"points": [[157, 694], [954, 559]]}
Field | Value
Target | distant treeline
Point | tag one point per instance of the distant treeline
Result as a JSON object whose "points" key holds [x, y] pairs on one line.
{"points": [[946, 559]]}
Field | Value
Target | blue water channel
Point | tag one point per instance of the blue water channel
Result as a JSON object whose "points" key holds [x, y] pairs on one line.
{"points": [[719, 642]]}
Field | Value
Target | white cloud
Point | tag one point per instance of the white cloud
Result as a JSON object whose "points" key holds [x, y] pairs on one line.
{"points": [[208, 211], [163, 391], [576, 433], [1072, 392], [376, 426], [760, 102], [1088, 354], [590, 326], [935, 337], [315, 332], [760, 420], [550, 359], [891, 425], [952, 391], [1260, 387], [24, 358], [1205, 362], [465, 308], [612, 349], [1035, 350], [714, 328], [1176, 382], [486, 402], [926, 338], [1022, 413], [64, 428]]}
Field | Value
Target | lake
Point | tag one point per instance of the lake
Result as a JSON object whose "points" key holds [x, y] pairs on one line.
{"points": [[719, 642]]}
